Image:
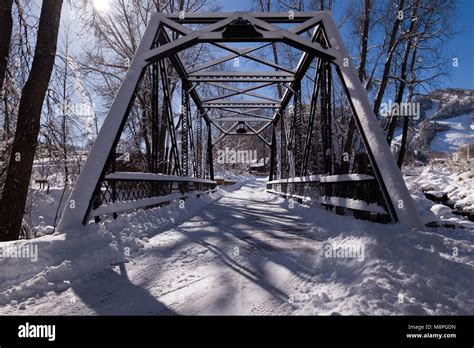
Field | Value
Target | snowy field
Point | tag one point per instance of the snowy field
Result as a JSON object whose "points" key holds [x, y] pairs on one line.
{"points": [[244, 251]]}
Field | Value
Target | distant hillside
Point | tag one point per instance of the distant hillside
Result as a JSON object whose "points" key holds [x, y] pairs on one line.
{"points": [[447, 103], [446, 122]]}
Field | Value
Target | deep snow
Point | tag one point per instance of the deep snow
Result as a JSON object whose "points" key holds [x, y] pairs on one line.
{"points": [[242, 251]]}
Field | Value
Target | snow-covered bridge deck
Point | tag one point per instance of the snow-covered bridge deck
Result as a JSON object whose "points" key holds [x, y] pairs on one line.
{"points": [[237, 256], [250, 252]]}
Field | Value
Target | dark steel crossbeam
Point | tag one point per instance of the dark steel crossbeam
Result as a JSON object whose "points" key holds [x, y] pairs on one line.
{"points": [[241, 119], [239, 91], [235, 54], [242, 74], [240, 104], [302, 68], [199, 145], [254, 58], [185, 132], [163, 38], [298, 134], [244, 113], [269, 33], [270, 17], [241, 79]]}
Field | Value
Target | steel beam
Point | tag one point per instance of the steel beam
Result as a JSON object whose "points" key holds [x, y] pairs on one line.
{"points": [[242, 74], [241, 91], [199, 145], [242, 119], [235, 54], [249, 79], [244, 113], [242, 105], [256, 59], [178, 66], [298, 134], [184, 132], [209, 152], [270, 17]]}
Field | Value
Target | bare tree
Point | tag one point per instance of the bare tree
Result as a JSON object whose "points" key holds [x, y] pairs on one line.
{"points": [[426, 39], [392, 45], [115, 37], [26, 136], [404, 66], [364, 26], [6, 26]]}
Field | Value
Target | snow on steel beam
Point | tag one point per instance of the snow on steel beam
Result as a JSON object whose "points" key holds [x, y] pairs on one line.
{"points": [[386, 170], [132, 176], [78, 207]]}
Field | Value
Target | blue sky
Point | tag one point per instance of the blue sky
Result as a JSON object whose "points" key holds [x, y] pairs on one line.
{"points": [[461, 47]]}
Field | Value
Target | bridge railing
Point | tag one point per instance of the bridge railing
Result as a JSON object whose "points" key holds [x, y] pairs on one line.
{"points": [[355, 193], [121, 192]]}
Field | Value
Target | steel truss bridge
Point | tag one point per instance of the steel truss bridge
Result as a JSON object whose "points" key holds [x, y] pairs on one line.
{"points": [[303, 111]]}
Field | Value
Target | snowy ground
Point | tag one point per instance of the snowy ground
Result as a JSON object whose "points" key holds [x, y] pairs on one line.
{"points": [[243, 252], [461, 132], [456, 190]]}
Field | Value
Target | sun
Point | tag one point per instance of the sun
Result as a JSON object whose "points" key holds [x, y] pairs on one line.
{"points": [[101, 6]]}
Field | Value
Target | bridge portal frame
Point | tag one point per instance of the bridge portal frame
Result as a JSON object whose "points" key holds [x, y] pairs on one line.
{"points": [[218, 29]]}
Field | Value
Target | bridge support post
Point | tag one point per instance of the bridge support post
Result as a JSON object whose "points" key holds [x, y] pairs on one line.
{"points": [[272, 155], [209, 149]]}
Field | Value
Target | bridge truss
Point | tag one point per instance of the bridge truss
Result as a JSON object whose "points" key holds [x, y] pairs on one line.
{"points": [[301, 110]]}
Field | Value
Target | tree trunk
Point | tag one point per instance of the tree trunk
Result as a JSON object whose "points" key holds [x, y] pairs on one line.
{"points": [[406, 123], [20, 166], [403, 73], [364, 40], [6, 25], [388, 61]]}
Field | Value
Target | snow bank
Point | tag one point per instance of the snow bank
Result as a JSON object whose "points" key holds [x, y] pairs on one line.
{"points": [[65, 258], [61, 258], [405, 272], [440, 183]]}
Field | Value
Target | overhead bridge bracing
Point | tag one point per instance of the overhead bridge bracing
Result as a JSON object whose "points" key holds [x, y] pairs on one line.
{"points": [[307, 132]]}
